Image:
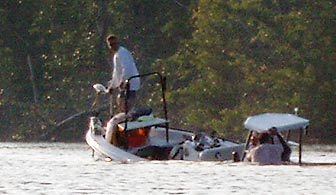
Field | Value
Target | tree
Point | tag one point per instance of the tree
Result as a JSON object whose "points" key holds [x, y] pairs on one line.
{"points": [[250, 57]]}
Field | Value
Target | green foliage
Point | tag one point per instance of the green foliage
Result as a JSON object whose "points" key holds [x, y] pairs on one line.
{"points": [[152, 29], [224, 61], [256, 56]]}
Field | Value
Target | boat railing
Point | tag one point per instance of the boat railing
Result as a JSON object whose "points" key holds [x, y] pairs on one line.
{"points": [[162, 82]]}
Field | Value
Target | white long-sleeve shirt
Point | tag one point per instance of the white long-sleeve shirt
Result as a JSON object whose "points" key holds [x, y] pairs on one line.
{"points": [[123, 68]]}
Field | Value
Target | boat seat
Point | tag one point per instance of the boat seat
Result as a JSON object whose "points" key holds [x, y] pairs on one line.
{"points": [[149, 122], [138, 112]]}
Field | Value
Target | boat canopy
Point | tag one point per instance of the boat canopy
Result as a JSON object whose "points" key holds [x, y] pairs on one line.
{"points": [[282, 121]]}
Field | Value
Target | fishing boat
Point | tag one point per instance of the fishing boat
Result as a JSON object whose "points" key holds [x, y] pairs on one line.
{"points": [[283, 122], [139, 135]]}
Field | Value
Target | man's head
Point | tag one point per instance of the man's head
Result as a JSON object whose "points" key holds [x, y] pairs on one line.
{"points": [[112, 42], [273, 131], [254, 139]]}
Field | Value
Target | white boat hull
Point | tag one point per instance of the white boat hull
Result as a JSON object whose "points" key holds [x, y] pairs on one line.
{"points": [[156, 147], [157, 139], [101, 146], [221, 153]]}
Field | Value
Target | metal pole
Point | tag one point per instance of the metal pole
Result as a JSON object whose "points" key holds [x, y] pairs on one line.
{"points": [[300, 146], [288, 135], [246, 144], [32, 78], [163, 89], [111, 105], [126, 100]]}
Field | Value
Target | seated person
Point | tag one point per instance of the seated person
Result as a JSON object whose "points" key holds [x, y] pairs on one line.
{"points": [[112, 129], [265, 152], [202, 142], [176, 152], [253, 142], [278, 139]]}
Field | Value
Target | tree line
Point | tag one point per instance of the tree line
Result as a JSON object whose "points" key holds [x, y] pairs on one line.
{"points": [[224, 61]]}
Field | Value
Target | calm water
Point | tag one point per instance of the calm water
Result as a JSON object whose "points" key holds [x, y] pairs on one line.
{"points": [[62, 168]]}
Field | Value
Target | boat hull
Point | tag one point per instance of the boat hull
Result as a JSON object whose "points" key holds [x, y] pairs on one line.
{"points": [[101, 146], [224, 152], [157, 147], [221, 153]]}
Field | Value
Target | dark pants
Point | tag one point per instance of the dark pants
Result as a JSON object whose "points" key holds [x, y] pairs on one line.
{"points": [[130, 100]]}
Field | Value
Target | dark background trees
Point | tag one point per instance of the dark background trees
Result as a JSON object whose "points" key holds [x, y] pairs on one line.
{"points": [[224, 61]]}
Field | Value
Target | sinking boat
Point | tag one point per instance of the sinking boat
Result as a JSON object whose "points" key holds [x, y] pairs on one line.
{"points": [[284, 122], [140, 135]]}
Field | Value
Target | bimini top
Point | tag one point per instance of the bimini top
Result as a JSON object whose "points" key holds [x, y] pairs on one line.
{"points": [[281, 121]]}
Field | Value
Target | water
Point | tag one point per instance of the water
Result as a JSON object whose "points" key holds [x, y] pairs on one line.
{"points": [[63, 168]]}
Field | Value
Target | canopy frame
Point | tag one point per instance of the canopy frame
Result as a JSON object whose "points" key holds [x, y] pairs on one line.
{"points": [[162, 82]]}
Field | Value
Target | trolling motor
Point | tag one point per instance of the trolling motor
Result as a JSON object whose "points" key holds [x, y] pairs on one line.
{"points": [[96, 125]]}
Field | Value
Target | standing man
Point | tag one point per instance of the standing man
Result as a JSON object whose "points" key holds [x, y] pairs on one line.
{"points": [[278, 139], [123, 68]]}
